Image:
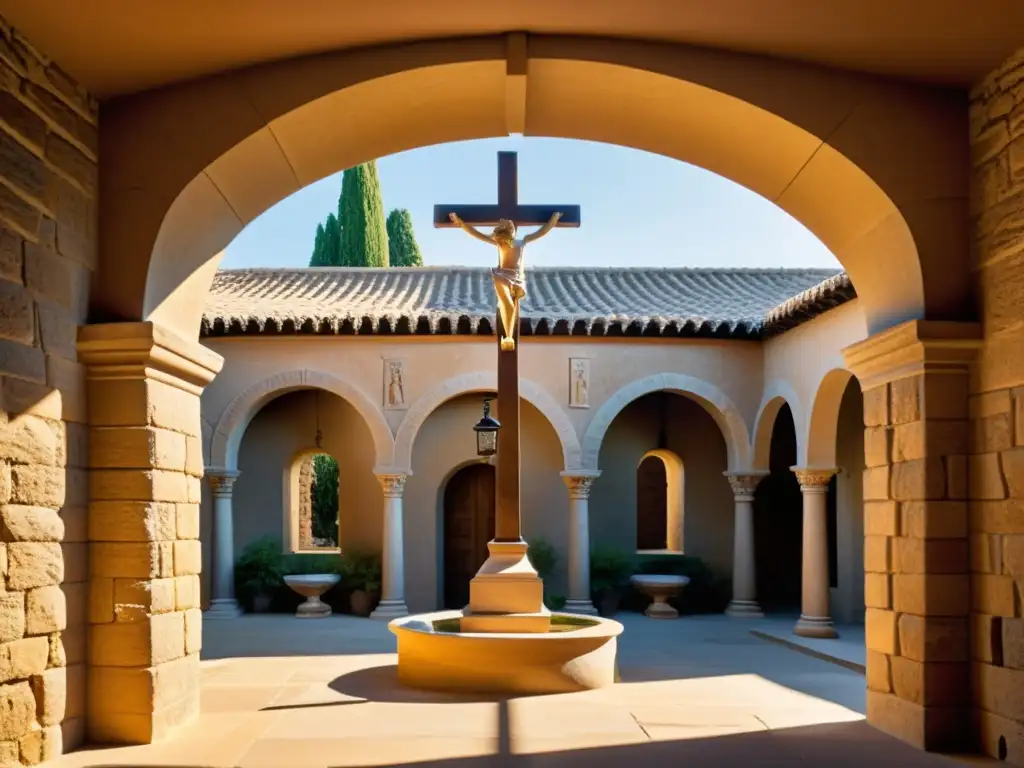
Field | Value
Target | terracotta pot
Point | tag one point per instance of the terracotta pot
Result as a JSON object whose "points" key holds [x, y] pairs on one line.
{"points": [[363, 602], [608, 602], [260, 603]]}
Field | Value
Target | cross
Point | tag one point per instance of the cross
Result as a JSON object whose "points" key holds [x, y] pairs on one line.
{"points": [[507, 518], [508, 206]]}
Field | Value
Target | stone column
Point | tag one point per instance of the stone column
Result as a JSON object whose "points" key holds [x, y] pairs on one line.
{"points": [[146, 465], [223, 604], [392, 598], [917, 585], [815, 614], [579, 484], [744, 571]]}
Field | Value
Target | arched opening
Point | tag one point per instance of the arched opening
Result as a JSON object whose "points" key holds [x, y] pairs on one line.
{"points": [[468, 526], [312, 502], [665, 430], [778, 522], [660, 503]]}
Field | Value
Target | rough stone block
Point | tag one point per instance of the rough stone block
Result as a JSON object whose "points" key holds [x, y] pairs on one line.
{"points": [[995, 730], [58, 655], [150, 596], [33, 564], [933, 684], [128, 559], [876, 406], [911, 555], [187, 592], [998, 689], [1012, 643], [987, 638], [193, 630], [17, 710], [137, 448], [1013, 556], [877, 593], [876, 483], [992, 434], [135, 521], [58, 330], [876, 554], [933, 639], [988, 404], [73, 639], [880, 631], [188, 557], [76, 561], [188, 516], [12, 616], [76, 523], [20, 659], [945, 397], [877, 446], [1005, 516], [138, 485], [986, 553], [877, 672], [956, 477], [195, 490], [22, 216], [10, 753], [21, 523], [51, 693], [68, 377], [17, 313], [141, 690], [931, 594], [29, 439], [5, 483], [36, 485], [40, 745], [881, 518], [986, 477], [153, 640], [919, 439], [921, 479], [938, 729], [71, 163], [45, 611], [933, 519], [905, 400], [137, 402], [992, 594]]}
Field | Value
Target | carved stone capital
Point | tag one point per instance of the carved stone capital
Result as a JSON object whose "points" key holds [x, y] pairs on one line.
{"points": [[814, 479], [579, 484], [744, 484], [222, 482], [393, 485]]}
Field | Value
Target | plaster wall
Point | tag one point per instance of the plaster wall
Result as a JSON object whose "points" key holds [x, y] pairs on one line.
{"points": [[848, 596]]}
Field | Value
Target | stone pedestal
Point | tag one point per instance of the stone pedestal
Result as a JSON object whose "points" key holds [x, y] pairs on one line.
{"points": [[392, 600], [506, 595], [660, 588], [146, 465], [815, 613], [579, 484], [744, 579], [223, 604], [311, 586]]}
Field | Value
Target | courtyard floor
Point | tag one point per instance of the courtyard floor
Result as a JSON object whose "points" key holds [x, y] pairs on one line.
{"points": [[699, 691]]}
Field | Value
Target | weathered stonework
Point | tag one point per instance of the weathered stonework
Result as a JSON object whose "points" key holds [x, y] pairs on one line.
{"points": [[917, 583], [306, 503], [48, 150], [996, 506], [144, 631]]}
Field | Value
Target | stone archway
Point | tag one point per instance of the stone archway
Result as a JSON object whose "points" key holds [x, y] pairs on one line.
{"points": [[867, 168], [778, 393], [227, 436]]}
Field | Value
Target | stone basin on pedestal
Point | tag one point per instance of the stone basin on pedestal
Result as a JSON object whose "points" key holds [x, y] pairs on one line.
{"points": [[311, 586], [660, 588]]}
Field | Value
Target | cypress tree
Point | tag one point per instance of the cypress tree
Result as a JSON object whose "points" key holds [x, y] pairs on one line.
{"points": [[332, 242], [364, 238], [317, 259], [403, 250]]}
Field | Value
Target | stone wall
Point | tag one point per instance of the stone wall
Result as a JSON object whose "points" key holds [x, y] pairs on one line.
{"points": [[997, 411], [306, 503], [48, 140]]}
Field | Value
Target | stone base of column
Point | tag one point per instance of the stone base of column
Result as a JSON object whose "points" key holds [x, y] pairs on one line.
{"points": [[223, 608], [390, 609], [816, 626], [579, 606], [744, 609]]}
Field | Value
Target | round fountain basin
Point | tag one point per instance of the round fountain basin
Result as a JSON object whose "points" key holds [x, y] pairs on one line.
{"points": [[313, 584], [578, 654], [658, 585]]}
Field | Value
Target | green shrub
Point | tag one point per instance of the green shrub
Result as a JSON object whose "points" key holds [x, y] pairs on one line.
{"points": [[300, 564], [361, 570], [258, 570], [543, 557], [610, 569]]}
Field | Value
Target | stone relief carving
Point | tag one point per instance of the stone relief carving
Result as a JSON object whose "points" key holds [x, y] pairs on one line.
{"points": [[394, 385], [579, 382]]}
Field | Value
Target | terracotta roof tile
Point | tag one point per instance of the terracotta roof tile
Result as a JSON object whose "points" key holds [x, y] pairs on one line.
{"points": [[737, 303]]}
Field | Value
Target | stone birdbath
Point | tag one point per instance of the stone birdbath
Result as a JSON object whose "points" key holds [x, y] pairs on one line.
{"points": [[311, 586], [660, 588]]}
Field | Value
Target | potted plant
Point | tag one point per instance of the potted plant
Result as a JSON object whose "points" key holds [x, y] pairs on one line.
{"points": [[610, 570], [361, 572], [258, 573], [544, 559]]}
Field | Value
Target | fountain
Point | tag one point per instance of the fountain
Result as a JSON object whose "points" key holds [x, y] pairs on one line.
{"points": [[660, 588], [506, 640], [311, 586]]}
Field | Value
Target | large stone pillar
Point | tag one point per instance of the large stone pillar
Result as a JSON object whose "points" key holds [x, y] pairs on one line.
{"points": [[392, 599], [744, 570], [223, 604], [146, 465], [815, 613], [579, 485], [917, 587]]}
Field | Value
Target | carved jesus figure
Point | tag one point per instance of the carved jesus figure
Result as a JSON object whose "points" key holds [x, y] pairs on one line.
{"points": [[509, 276]]}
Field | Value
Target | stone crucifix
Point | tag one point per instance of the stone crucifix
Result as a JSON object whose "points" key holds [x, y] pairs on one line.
{"points": [[510, 287]]}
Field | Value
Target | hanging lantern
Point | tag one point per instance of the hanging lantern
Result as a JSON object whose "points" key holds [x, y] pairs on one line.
{"points": [[487, 432]]}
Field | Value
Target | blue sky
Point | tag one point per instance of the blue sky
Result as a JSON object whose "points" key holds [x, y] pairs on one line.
{"points": [[638, 209]]}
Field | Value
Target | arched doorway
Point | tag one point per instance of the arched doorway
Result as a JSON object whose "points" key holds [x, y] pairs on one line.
{"points": [[651, 505], [468, 526]]}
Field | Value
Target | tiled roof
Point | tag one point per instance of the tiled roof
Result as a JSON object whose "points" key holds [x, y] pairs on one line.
{"points": [[734, 303]]}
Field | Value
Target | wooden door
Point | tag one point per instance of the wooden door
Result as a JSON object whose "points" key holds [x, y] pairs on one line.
{"points": [[468, 526], [651, 504]]}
